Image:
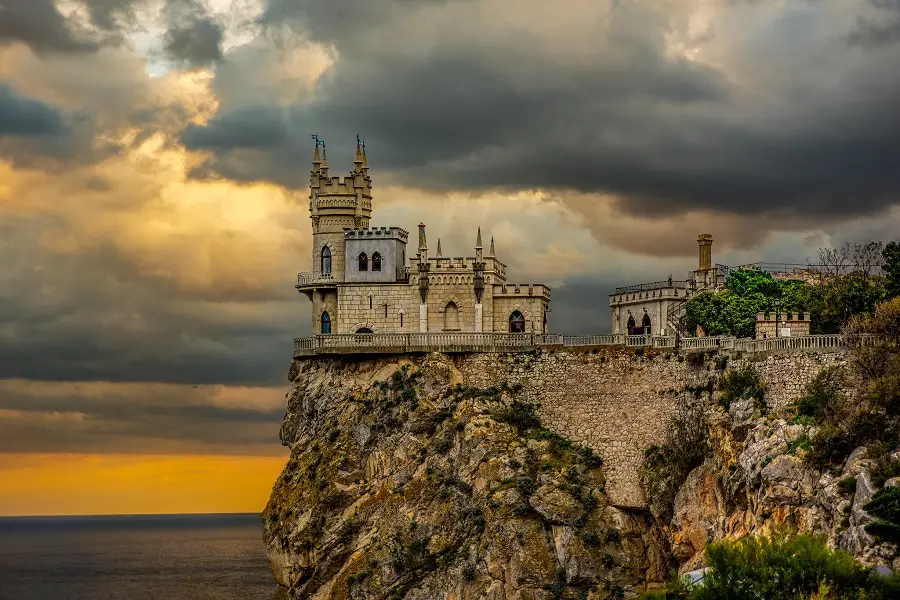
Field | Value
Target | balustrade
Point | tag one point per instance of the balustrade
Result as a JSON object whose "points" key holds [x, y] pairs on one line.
{"points": [[488, 342]]}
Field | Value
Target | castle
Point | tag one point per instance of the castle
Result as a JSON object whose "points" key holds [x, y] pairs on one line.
{"points": [[361, 283]]}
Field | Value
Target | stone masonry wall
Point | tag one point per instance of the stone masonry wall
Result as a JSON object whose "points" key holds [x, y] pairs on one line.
{"points": [[613, 399]]}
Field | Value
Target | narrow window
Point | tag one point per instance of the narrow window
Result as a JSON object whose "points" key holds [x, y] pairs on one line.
{"points": [[401, 319], [326, 261], [516, 322], [376, 262], [363, 262], [370, 302], [326, 323], [385, 311]]}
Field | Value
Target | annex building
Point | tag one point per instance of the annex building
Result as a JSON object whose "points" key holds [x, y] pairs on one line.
{"points": [[364, 280]]}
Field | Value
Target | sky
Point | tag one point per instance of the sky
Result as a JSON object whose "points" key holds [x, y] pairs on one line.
{"points": [[154, 158]]}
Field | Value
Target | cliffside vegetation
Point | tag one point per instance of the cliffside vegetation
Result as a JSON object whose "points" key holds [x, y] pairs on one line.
{"points": [[781, 567], [844, 282]]}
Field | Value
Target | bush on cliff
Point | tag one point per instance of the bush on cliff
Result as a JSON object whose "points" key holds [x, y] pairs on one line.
{"points": [[885, 506], [873, 415], [782, 567], [741, 384], [668, 465]]}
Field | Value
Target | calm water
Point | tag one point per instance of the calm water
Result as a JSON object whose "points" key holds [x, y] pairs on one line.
{"points": [[179, 557]]}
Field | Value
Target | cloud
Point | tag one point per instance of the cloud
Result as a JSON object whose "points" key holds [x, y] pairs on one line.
{"points": [[40, 24], [146, 418], [666, 107], [878, 30], [193, 37], [26, 117]]}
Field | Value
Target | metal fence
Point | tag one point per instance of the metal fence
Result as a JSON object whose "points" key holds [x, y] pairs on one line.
{"points": [[383, 343]]}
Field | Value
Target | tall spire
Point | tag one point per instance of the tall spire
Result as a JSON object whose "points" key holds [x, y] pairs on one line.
{"points": [[479, 248], [439, 253], [359, 161], [317, 159], [492, 252]]}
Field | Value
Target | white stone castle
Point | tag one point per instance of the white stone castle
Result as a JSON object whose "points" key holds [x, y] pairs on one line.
{"points": [[362, 282]]}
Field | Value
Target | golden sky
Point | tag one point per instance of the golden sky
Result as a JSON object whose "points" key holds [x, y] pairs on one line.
{"points": [[154, 157]]}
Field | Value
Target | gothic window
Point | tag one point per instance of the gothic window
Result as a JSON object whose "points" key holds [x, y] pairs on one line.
{"points": [[451, 317], [363, 262], [326, 261], [516, 322], [646, 323], [631, 325], [326, 323], [376, 262]]}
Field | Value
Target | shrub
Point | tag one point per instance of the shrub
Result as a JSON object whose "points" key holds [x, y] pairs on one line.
{"points": [[526, 485], [521, 415], [823, 394], [785, 567], [590, 538], [885, 507], [741, 384], [847, 485]]}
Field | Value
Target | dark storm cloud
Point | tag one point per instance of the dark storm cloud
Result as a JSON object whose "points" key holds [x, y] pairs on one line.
{"points": [[20, 116], [483, 104], [880, 31], [39, 24], [193, 37], [150, 418], [246, 127]]}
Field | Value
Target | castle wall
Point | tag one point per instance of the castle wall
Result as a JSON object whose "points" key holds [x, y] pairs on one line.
{"points": [[392, 252], [532, 307], [458, 288], [323, 300], [335, 241], [354, 310]]}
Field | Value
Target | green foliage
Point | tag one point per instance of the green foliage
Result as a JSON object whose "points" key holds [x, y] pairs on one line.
{"points": [[891, 268], [885, 506], [783, 567], [590, 538], [823, 394], [526, 485], [733, 310], [847, 485], [667, 466], [521, 415], [741, 384]]}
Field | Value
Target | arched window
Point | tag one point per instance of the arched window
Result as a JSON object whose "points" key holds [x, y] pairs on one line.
{"points": [[376, 262], [363, 330], [516, 322], [631, 325], [645, 324], [363, 262], [326, 261], [451, 317], [326, 323]]}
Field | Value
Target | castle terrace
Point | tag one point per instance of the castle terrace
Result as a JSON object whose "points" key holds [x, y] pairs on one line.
{"points": [[464, 342]]}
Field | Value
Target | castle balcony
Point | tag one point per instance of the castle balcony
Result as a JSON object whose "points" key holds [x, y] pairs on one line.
{"points": [[311, 280]]}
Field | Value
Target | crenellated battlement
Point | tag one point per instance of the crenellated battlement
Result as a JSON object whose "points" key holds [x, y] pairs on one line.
{"points": [[377, 233], [521, 289]]}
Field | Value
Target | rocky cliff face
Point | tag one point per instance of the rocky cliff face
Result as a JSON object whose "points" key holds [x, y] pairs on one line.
{"points": [[403, 483], [754, 478]]}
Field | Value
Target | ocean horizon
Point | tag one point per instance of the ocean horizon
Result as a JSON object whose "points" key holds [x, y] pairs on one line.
{"points": [[208, 556]]}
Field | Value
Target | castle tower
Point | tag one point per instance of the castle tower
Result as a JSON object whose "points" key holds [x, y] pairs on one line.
{"points": [[336, 204], [704, 275]]}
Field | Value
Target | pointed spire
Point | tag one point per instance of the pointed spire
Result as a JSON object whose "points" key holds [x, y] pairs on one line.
{"points": [[317, 159], [439, 253], [365, 163], [423, 245], [479, 250], [492, 253], [358, 160], [478, 241]]}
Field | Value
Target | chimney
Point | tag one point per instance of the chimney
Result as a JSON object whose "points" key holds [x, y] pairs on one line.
{"points": [[705, 241]]}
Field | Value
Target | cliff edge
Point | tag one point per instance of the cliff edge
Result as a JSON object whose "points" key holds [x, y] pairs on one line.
{"points": [[405, 483]]}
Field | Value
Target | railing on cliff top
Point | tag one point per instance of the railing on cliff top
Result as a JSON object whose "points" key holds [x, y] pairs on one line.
{"points": [[390, 343]]}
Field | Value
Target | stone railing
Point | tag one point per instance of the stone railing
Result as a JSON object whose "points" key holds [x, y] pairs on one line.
{"points": [[391, 343], [314, 279]]}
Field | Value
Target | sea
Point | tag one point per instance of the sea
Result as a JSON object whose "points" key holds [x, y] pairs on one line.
{"points": [[147, 557]]}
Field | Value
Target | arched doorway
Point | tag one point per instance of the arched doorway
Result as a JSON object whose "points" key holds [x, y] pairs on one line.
{"points": [[326, 261], [516, 322], [645, 324], [326, 323], [451, 317], [631, 326]]}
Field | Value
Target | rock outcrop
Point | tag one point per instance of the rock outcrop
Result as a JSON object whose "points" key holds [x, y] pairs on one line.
{"points": [[402, 483]]}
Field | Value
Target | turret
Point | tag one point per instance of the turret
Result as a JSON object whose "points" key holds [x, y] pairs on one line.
{"points": [[478, 280], [704, 241]]}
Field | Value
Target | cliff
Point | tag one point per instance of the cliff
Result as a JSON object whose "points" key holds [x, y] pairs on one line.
{"points": [[526, 476], [405, 483]]}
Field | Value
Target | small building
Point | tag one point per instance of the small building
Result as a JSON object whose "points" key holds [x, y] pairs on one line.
{"points": [[656, 308], [782, 324]]}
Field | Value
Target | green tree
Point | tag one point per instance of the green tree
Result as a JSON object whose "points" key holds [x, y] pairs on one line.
{"points": [[891, 256]]}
